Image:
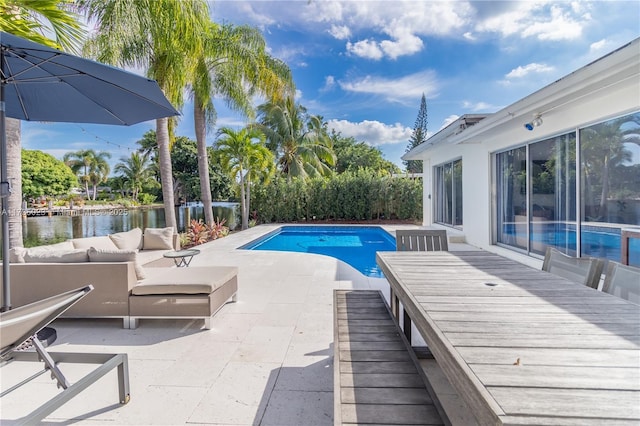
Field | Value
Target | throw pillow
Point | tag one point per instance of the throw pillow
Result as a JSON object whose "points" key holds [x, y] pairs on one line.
{"points": [[73, 256], [97, 242], [158, 239], [16, 255], [104, 255], [128, 240]]}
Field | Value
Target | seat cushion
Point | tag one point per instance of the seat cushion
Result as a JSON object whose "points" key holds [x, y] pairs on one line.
{"points": [[70, 256], [102, 255], [158, 239], [17, 254], [103, 243], [193, 280], [128, 240]]}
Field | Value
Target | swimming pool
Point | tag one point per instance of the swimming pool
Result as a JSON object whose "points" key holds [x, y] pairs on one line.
{"points": [[355, 245], [596, 241]]}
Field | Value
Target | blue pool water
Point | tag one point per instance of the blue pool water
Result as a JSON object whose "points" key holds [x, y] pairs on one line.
{"points": [[597, 241], [355, 245]]}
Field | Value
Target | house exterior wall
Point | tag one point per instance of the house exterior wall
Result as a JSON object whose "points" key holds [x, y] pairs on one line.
{"points": [[576, 110]]}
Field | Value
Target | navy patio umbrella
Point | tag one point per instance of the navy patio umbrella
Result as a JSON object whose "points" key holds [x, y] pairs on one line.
{"points": [[40, 83]]}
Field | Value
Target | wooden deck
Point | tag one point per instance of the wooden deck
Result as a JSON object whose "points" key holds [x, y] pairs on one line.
{"points": [[520, 345], [376, 376]]}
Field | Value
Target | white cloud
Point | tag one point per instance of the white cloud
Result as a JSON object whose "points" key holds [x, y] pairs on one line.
{"points": [[373, 133], [329, 83], [341, 32], [407, 88], [450, 119], [560, 21], [405, 44], [365, 49], [478, 106], [399, 24], [598, 46], [523, 71], [469, 36]]}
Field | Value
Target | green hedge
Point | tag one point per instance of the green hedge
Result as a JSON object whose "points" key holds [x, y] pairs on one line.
{"points": [[355, 196]]}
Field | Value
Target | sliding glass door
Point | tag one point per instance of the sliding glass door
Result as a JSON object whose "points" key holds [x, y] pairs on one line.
{"points": [[448, 188]]}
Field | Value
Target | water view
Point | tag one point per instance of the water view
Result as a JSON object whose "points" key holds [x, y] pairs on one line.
{"points": [[38, 230], [355, 245]]}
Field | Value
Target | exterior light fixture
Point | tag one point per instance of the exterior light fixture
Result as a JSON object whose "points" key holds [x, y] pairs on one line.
{"points": [[536, 122]]}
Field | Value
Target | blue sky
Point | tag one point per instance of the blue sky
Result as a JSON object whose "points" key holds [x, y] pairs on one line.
{"points": [[364, 65]]}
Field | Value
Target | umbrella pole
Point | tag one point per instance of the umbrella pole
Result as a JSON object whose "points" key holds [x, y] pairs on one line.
{"points": [[4, 213]]}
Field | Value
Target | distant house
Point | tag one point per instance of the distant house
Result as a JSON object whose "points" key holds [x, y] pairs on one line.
{"points": [[559, 167]]}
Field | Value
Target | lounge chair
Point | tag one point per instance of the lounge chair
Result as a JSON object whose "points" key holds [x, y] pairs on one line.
{"points": [[18, 329]]}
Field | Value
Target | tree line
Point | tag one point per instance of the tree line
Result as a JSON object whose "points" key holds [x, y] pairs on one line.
{"points": [[178, 45]]}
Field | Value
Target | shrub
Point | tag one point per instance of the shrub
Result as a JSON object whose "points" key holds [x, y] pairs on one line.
{"points": [[361, 195]]}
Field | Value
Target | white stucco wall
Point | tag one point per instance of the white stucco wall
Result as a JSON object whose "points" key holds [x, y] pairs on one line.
{"points": [[579, 108]]}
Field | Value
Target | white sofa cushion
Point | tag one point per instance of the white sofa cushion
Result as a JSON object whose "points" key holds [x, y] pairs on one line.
{"points": [[193, 280], [17, 254], [105, 255], [56, 256], [158, 239], [103, 243], [128, 240]]}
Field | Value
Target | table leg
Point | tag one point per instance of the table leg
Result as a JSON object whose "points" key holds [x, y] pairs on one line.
{"points": [[407, 325]]}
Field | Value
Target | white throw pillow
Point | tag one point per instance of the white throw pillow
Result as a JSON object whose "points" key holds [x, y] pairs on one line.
{"points": [[128, 240], [73, 256], [97, 242], [16, 254], [158, 239], [103, 255]]}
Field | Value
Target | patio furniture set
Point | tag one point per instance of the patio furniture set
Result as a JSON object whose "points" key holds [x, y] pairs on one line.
{"points": [[125, 286], [519, 345]]}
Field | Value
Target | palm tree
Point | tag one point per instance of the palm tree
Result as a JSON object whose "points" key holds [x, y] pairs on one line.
{"points": [[603, 149], [245, 157], [31, 20], [235, 65], [90, 167], [99, 171], [299, 140], [136, 172], [163, 36]]}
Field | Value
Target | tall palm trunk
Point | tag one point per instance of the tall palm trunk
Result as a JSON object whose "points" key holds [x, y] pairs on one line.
{"points": [[166, 172], [203, 160], [243, 203], [14, 172]]}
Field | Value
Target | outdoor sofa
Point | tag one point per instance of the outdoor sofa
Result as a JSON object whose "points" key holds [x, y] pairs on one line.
{"points": [[124, 285]]}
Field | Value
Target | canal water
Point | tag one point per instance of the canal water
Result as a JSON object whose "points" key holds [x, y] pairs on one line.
{"points": [[39, 230]]}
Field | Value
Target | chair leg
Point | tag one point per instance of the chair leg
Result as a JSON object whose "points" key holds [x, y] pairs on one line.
{"points": [[133, 323]]}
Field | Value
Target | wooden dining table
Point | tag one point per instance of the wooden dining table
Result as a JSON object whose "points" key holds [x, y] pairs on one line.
{"points": [[520, 345]]}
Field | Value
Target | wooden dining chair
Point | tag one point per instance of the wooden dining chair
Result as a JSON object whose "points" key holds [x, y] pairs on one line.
{"points": [[623, 281], [421, 240], [582, 270]]}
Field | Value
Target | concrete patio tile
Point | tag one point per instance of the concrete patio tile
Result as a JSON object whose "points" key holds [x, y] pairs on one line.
{"points": [[264, 344], [268, 359], [308, 368], [239, 396], [299, 408]]}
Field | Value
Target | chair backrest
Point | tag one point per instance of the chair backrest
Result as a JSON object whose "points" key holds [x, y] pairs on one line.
{"points": [[623, 281], [582, 270], [18, 324], [421, 240]]}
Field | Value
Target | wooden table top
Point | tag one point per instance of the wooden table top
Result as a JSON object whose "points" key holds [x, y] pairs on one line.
{"points": [[520, 345]]}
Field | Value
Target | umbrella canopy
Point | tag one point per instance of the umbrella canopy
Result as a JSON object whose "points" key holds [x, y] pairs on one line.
{"points": [[39, 83]]}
